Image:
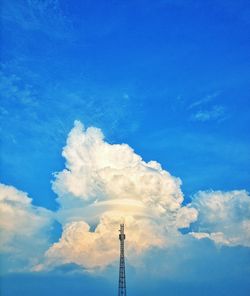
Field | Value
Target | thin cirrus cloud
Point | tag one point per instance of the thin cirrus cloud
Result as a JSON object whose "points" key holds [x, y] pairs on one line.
{"points": [[102, 185], [205, 100], [216, 113], [206, 109], [37, 16]]}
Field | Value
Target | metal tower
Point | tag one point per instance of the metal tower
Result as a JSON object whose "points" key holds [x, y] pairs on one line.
{"points": [[122, 277]]}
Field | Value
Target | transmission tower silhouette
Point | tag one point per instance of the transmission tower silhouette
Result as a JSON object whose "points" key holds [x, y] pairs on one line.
{"points": [[122, 276]]}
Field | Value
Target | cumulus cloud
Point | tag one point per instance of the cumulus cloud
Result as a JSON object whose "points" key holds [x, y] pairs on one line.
{"points": [[24, 228], [101, 247], [96, 170], [103, 184], [224, 217]]}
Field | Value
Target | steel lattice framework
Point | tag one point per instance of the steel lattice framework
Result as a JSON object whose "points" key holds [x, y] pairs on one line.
{"points": [[122, 276]]}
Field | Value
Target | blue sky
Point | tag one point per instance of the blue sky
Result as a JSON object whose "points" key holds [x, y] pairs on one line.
{"points": [[169, 78]]}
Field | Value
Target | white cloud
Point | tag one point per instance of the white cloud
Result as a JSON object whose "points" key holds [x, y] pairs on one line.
{"points": [[185, 216], [97, 171], [100, 248], [103, 184], [24, 228], [224, 217]]}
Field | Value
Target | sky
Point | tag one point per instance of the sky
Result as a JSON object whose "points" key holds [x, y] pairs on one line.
{"points": [[133, 111]]}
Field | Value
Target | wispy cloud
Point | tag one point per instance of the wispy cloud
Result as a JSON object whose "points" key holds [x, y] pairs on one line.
{"points": [[14, 91], [206, 109], [45, 16], [216, 113], [206, 99]]}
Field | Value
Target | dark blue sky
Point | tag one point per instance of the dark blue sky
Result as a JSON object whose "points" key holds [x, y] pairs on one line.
{"points": [[168, 77]]}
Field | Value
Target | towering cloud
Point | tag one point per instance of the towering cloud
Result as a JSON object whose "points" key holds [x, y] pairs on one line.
{"points": [[98, 171], [103, 184]]}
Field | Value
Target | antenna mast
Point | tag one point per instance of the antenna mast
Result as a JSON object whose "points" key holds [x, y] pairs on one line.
{"points": [[122, 277]]}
